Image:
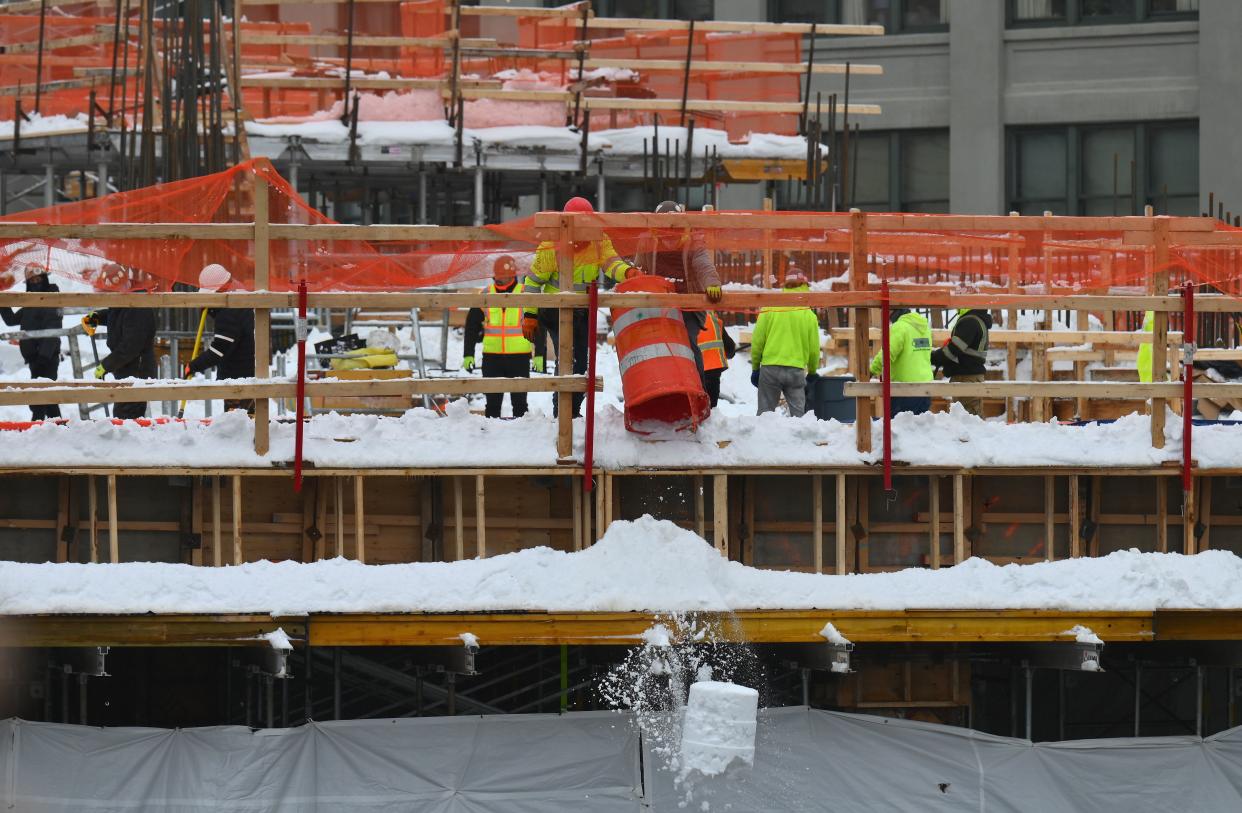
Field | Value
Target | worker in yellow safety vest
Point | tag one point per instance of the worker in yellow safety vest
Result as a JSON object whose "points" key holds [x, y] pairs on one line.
{"points": [[717, 347], [1143, 362], [594, 261], [506, 351]]}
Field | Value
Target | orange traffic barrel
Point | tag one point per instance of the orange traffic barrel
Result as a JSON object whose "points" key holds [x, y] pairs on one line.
{"points": [[659, 378]]}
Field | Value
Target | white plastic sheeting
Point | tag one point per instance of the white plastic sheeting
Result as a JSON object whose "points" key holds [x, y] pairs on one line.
{"points": [[806, 760], [525, 764]]}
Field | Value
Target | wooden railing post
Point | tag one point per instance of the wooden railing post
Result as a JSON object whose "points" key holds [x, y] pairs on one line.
{"points": [[861, 356], [1160, 326], [1013, 271], [262, 316], [565, 340]]}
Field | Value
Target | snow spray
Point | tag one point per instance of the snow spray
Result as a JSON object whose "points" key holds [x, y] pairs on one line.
{"points": [[696, 657]]}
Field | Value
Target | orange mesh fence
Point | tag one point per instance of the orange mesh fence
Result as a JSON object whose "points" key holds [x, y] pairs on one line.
{"points": [[925, 258], [123, 264]]}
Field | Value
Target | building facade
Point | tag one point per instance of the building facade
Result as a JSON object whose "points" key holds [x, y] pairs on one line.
{"points": [[1071, 106]]}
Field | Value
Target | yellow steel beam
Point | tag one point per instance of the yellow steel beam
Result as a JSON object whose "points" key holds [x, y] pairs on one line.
{"points": [[534, 629]]}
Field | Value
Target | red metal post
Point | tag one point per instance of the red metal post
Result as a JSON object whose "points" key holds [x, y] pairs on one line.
{"points": [[1188, 381], [588, 458], [886, 386], [300, 329]]}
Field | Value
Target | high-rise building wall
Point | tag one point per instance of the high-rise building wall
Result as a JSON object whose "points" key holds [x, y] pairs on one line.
{"points": [[1072, 106]]}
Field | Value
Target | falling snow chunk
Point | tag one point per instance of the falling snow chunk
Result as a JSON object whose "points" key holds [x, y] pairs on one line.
{"points": [[1083, 635], [833, 636], [719, 728], [278, 639]]}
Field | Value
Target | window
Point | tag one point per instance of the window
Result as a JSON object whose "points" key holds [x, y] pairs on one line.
{"points": [[901, 171], [657, 9], [1105, 170], [897, 16], [1092, 12]]}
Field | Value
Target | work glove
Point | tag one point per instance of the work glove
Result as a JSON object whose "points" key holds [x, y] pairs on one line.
{"points": [[89, 322], [754, 377], [100, 372], [467, 364], [714, 293], [537, 364], [187, 373], [530, 326]]}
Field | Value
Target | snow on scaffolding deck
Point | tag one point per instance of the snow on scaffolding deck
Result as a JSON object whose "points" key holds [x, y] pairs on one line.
{"points": [[628, 141], [643, 566], [422, 439], [45, 126]]}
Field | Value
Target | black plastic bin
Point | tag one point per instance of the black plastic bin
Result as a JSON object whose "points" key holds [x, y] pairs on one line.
{"points": [[825, 396]]}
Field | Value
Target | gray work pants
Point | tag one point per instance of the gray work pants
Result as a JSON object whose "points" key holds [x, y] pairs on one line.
{"points": [[775, 381]]}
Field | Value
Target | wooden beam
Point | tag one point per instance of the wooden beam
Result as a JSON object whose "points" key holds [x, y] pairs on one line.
{"points": [[575, 497], [338, 507], [728, 26], [1049, 517], [1204, 504], [237, 520], [360, 40], [817, 520], [63, 487], [861, 366], [480, 518], [1050, 389], [93, 507], [565, 341], [360, 536], [216, 546], [715, 66], [959, 520], [90, 392], [1162, 515], [262, 316], [1075, 518], [933, 504], [114, 544], [1160, 332], [696, 105], [839, 523], [720, 513], [459, 532]]}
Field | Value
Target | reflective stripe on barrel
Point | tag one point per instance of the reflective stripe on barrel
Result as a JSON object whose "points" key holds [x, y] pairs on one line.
{"points": [[633, 315], [654, 351]]}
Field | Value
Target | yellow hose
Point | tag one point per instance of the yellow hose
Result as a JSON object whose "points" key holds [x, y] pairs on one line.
{"points": [[198, 340]]}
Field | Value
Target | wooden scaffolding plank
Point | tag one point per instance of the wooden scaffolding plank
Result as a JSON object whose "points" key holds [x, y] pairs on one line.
{"points": [[841, 525], [237, 520], [262, 316], [933, 503], [114, 545], [817, 520], [720, 513], [480, 518], [360, 536]]}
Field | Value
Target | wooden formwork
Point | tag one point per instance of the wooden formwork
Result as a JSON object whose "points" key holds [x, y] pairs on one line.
{"points": [[827, 521]]}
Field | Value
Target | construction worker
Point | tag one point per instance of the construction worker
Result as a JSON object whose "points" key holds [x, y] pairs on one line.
{"points": [[506, 352], [716, 347], [594, 261], [41, 355], [231, 349], [909, 350], [685, 259], [1143, 362], [784, 350], [963, 356], [131, 340]]}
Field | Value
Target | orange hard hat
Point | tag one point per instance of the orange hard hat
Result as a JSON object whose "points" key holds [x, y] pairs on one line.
{"points": [[504, 267]]}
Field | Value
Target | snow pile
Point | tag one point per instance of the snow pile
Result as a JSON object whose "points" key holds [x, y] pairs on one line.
{"points": [[719, 728], [469, 640], [422, 438], [833, 636], [645, 565], [38, 125]]}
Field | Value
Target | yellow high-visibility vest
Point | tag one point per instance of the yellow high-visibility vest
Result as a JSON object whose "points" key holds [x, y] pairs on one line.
{"points": [[502, 331]]}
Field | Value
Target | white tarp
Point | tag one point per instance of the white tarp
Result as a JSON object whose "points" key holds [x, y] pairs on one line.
{"points": [[806, 760]]}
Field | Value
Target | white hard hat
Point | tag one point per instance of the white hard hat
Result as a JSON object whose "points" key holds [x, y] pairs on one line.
{"points": [[213, 277]]}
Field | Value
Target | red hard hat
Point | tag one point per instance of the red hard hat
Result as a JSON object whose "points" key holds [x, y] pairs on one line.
{"points": [[579, 205]]}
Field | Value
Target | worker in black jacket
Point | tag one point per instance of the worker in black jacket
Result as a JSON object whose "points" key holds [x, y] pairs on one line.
{"points": [[41, 355], [131, 345], [231, 350], [963, 356]]}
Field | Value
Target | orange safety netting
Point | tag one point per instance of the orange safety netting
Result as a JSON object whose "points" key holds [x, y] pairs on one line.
{"points": [[157, 264], [936, 254]]}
